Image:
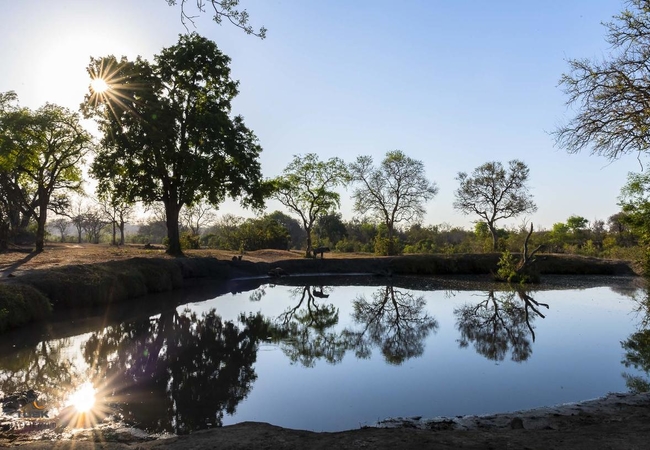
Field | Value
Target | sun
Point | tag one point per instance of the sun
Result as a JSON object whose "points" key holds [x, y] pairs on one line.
{"points": [[99, 85]]}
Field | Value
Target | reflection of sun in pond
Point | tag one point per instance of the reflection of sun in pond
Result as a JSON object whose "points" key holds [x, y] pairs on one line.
{"points": [[83, 409], [99, 85], [83, 399]]}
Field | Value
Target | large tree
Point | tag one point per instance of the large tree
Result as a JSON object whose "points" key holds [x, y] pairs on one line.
{"points": [[612, 95], [494, 193], [168, 133], [394, 192], [41, 153], [306, 188]]}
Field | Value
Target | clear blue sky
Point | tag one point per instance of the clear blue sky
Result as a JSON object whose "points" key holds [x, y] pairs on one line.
{"points": [[452, 83]]}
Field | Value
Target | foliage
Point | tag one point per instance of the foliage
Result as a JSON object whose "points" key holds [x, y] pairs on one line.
{"points": [[306, 188], [637, 355], [222, 9], [20, 305], [235, 233], [330, 229], [168, 135], [612, 95], [510, 270], [41, 153], [494, 193], [392, 193], [296, 232], [190, 241]]}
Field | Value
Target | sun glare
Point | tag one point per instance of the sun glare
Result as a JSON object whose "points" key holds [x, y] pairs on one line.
{"points": [[99, 85], [83, 399]]}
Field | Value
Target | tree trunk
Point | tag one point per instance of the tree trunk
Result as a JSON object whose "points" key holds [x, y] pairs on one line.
{"points": [[308, 252], [40, 221], [121, 232], [114, 241], [495, 239], [173, 233]]}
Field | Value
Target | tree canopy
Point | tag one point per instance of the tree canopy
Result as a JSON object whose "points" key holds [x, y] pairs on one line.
{"points": [[41, 153], [611, 95], [306, 188], [394, 192], [494, 193], [168, 133]]}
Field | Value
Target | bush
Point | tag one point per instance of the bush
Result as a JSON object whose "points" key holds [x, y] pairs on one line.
{"points": [[190, 241], [20, 305], [510, 270]]}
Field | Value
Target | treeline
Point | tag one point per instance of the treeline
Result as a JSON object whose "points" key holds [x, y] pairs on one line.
{"points": [[613, 238]]}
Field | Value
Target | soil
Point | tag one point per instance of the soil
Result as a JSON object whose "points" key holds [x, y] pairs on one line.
{"points": [[618, 421]]}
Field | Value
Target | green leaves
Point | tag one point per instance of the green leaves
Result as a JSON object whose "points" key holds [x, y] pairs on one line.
{"points": [[41, 153], [306, 188], [167, 131]]}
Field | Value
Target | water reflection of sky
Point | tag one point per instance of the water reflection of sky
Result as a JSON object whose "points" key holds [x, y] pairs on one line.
{"points": [[307, 372]]}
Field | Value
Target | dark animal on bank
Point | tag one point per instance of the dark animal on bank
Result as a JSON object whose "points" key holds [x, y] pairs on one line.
{"points": [[320, 250]]}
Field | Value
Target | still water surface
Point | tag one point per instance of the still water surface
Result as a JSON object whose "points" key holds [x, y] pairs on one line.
{"points": [[324, 356]]}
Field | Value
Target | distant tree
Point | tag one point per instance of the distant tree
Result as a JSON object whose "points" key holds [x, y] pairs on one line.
{"points": [[576, 223], [118, 211], [222, 9], [330, 227], [261, 233], [92, 223], [168, 135], [197, 216], [394, 192], [617, 223], [612, 95], [151, 232], [60, 224], [306, 188], [45, 150], [296, 231], [494, 193]]}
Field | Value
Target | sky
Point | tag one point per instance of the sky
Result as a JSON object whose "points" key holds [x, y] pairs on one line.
{"points": [[453, 84]]}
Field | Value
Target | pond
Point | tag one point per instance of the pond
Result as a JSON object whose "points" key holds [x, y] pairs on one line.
{"points": [[329, 354]]}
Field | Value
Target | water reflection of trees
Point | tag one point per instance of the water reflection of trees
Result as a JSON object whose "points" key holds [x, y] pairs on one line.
{"points": [[500, 324], [395, 321], [637, 355], [177, 372], [305, 329], [46, 368], [637, 347]]}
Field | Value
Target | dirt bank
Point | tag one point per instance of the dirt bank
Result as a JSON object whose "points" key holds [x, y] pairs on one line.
{"points": [[614, 422]]}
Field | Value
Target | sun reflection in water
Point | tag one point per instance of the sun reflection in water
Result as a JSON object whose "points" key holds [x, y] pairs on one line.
{"points": [[83, 399], [82, 410]]}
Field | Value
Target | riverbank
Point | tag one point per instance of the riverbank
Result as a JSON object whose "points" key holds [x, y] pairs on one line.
{"points": [[617, 421], [64, 277]]}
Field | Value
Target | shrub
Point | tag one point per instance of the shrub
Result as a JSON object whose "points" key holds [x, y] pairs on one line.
{"points": [[20, 305]]}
